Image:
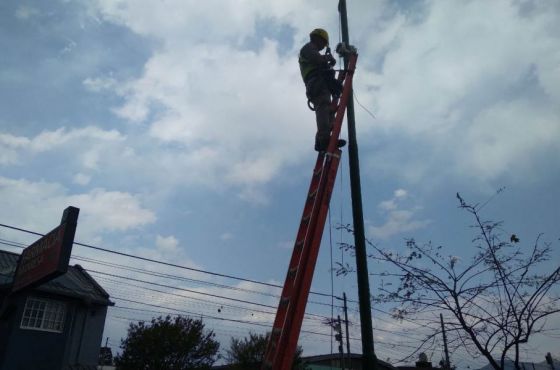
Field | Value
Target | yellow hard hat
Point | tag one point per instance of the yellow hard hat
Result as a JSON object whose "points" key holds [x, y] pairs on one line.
{"points": [[321, 33]]}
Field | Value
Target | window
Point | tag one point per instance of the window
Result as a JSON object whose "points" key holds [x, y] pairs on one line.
{"points": [[43, 314]]}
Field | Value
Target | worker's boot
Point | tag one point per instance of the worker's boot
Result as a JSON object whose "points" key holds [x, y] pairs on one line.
{"points": [[322, 146]]}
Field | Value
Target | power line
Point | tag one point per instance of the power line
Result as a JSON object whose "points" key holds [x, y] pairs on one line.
{"points": [[163, 262], [318, 317], [233, 320], [158, 274], [179, 288], [15, 244]]}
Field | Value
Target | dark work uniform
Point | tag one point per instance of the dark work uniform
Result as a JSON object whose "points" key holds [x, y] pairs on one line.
{"points": [[312, 64]]}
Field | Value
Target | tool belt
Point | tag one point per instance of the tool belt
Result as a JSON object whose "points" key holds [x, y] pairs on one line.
{"points": [[315, 79]]}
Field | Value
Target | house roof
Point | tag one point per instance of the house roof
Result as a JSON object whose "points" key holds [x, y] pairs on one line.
{"points": [[336, 356], [318, 362], [76, 282]]}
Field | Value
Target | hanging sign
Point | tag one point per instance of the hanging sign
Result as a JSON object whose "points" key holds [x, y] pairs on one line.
{"points": [[49, 256]]}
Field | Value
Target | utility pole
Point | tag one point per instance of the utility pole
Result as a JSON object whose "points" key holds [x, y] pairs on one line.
{"points": [[347, 333], [370, 360], [447, 363], [340, 345], [549, 360]]}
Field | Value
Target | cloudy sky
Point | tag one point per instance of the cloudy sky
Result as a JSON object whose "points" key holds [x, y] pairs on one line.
{"points": [[181, 131]]}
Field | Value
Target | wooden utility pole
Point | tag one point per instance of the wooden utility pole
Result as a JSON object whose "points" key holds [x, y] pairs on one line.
{"points": [[347, 332], [370, 360], [447, 363]]}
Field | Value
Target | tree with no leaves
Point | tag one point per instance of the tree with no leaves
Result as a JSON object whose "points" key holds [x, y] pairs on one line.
{"points": [[492, 303], [168, 343]]}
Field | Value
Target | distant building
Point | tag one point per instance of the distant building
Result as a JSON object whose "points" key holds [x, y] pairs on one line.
{"points": [[543, 365], [421, 364], [58, 325], [352, 361], [105, 356], [325, 362]]}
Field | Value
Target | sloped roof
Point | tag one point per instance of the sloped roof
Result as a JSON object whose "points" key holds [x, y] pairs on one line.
{"points": [[510, 365], [75, 283], [317, 359]]}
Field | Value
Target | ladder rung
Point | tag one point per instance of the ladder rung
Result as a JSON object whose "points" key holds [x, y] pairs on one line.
{"points": [[318, 171], [292, 272], [284, 300], [337, 155], [312, 194], [299, 243]]}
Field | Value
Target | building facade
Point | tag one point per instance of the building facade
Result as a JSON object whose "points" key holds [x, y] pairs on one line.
{"points": [[57, 325]]}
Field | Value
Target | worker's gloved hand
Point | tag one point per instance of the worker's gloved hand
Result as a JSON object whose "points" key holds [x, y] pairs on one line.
{"points": [[331, 60]]}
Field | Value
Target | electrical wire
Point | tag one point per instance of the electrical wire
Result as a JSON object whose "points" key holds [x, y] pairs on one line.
{"points": [[165, 263], [162, 262], [196, 292], [113, 265], [364, 108]]}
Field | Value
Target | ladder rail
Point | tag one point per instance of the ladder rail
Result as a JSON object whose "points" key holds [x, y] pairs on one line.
{"points": [[299, 248], [292, 332], [285, 307], [343, 102], [291, 308], [285, 351], [287, 343]]}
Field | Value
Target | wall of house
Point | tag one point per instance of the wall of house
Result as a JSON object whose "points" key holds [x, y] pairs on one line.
{"points": [[86, 335], [32, 349], [35, 349]]}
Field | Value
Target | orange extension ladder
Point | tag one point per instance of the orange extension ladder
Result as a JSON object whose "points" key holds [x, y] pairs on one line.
{"points": [[291, 308]]}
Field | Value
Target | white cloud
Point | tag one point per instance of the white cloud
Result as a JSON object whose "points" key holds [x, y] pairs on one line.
{"points": [[230, 125], [443, 72], [39, 205], [8, 146], [226, 236], [187, 22], [84, 149], [507, 138], [90, 158], [167, 244], [99, 84], [112, 210], [24, 12], [400, 193], [388, 205], [81, 179], [236, 116], [13, 141], [398, 220], [49, 140], [429, 74]]}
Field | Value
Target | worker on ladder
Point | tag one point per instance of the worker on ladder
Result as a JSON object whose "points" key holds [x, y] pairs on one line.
{"points": [[320, 84]]}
